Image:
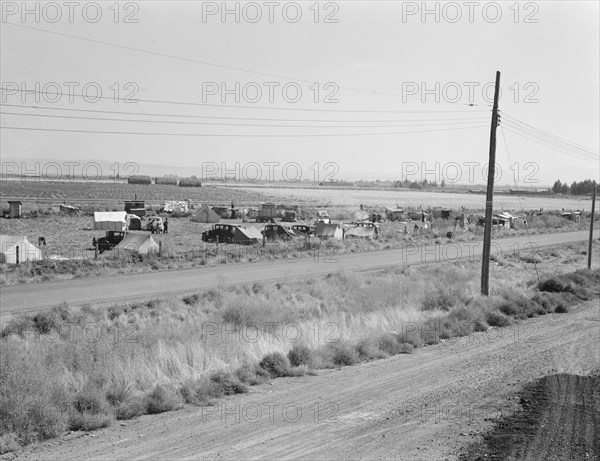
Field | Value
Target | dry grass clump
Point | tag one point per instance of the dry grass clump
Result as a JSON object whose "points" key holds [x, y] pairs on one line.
{"points": [[82, 368]]}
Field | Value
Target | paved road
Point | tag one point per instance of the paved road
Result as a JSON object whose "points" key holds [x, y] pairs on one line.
{"points": [[33, 297]]}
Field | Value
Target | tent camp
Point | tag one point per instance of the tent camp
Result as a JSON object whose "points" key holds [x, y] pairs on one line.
{"points": [[110, 220], [206, 214], [138, 243], [361, 232], [326, 231], [27, 250]]}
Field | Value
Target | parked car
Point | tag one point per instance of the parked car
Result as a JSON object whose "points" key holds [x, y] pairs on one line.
{"points": [[110, 240], [278, 231], [304, 229]]}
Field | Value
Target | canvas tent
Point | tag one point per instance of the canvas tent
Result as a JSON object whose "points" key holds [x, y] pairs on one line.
{"points": [[110, 220], [138, 243], [326, 231], [246, 235], [206, 214], [361, 232], [27, 250]]}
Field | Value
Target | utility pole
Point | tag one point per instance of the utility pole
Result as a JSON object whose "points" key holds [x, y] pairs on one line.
{"points": [[487, 235], [591, 229]]}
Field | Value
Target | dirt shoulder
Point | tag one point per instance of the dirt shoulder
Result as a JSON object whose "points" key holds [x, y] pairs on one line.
{"points": [[559, 419], [428, 405]]}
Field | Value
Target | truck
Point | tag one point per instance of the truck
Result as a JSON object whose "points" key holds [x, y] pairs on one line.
{"points": [[267, 212], [323, 216], [110, 240], [289, 216]]}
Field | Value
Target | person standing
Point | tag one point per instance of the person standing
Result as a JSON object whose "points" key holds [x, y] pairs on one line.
{"points": [[166, 226]]}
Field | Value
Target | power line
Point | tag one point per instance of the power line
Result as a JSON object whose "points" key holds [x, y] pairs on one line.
{"points": [[148, 114], [197, 61], [230, 106], [545, 134], [227, 124], [237, 135], [546, 144]]}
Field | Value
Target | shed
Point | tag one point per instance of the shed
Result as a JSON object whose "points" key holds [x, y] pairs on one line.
{"points": [[14, 208], [27, 251], [135, 207]]}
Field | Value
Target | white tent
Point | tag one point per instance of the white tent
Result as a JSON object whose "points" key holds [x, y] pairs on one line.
{"points": [[110, 220], [138, 243], [27, 250]]}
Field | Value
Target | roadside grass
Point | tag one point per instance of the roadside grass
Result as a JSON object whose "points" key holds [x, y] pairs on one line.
{"points": [[83, 368]]}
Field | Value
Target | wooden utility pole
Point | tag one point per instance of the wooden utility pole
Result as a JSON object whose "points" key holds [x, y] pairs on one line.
{"points": [[591, 229], [487, 235]]}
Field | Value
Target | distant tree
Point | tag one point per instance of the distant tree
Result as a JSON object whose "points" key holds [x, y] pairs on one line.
{"points": [[415, 185], [443, 184], [557, 188], [565, 189]]}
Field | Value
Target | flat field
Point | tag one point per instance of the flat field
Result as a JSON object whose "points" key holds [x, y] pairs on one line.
{"points": [[411, 198], [115, 192]]}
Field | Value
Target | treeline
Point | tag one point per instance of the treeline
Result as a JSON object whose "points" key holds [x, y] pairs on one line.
{"points": [[576, 188], [423, 184], [166, 180]]}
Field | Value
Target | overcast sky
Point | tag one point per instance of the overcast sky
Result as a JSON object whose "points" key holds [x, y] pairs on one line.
{"points": [[371, 59]]}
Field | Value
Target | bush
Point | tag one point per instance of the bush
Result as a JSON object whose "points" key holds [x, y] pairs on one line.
{"points": [[91, 410], [139, 179], [391, 344], [251, 374], [276, 364], [301, 355], [496, 319], [162, 399], [367, 349], [341, 353], [190, 182], [228, 382]]}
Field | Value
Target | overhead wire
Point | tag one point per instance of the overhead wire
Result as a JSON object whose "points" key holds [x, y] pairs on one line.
{"points": [[253, 135]]}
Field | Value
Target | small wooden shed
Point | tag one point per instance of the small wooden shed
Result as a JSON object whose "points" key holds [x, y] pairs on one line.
{"points": [[14, 208]]}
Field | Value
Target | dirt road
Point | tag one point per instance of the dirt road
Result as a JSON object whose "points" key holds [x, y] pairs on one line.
{"points": [[31, 297], [423, 406]]}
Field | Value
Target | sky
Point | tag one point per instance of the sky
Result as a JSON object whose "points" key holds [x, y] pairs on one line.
{"points": [[348, 89]]}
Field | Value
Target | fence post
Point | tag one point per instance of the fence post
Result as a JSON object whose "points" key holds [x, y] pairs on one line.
{"points": [[17, 255]]}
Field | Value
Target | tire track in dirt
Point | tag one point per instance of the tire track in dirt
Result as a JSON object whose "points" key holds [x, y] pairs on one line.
{"points": [[426, 405]]}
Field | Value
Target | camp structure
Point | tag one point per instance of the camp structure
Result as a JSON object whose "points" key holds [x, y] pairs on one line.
{"points": [[206, 214], [135, 207], [278, 231], [247, 235], [134, 222], [329, 231], [365, 232], [229, 233], [176, 206], [69, 209], [138, 243], [110, 220], [572, 215], [15, 249], [504, 219]]}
